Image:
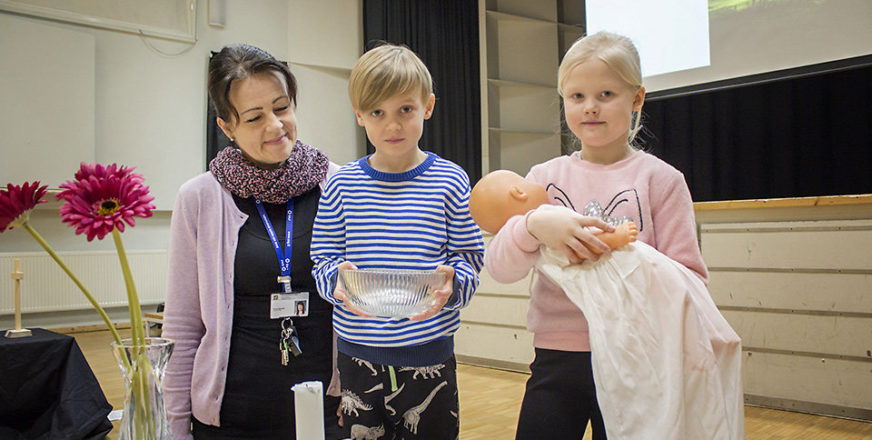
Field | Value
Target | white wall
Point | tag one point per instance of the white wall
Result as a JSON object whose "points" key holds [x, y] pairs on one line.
{"points": [[325, 38], [44, 106], [148, 105]]}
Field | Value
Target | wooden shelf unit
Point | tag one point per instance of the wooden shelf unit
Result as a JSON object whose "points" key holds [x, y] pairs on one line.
{"points": [[521, 47]]}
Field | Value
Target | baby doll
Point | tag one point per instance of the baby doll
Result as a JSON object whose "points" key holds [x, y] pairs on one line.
{"points": [[658, 343], [502, 193]]}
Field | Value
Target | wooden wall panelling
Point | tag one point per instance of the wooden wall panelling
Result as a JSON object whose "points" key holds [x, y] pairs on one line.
{"points": [[493, 326], [497, 309], [843, 385], [489, 286], [818, 335], [799, 294], [830, 292], [504, 347], [837, 245]]}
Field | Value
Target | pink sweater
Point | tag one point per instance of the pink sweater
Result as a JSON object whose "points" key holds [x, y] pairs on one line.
{"points": [[199, 306], [643, 187]]}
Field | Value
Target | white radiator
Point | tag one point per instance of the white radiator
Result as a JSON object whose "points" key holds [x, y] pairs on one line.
{"points": [[46, 287]]}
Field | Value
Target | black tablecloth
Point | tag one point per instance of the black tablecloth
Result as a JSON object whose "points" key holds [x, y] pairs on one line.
{"points": [[48, 391]]}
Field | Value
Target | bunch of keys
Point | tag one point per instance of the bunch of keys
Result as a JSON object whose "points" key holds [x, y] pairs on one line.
{"points": [[289, 341]]}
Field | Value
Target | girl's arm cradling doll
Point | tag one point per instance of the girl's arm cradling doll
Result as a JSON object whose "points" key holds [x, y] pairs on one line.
{"points": [[502, 194]]}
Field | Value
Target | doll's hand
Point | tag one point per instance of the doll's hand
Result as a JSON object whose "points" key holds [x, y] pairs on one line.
{"points": [[567, 232], [441, 295], [342, 295]]}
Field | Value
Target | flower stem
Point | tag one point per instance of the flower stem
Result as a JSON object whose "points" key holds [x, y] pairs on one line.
{"points": [[140, 381], [143, 421], [78, 283], [137, 331]]}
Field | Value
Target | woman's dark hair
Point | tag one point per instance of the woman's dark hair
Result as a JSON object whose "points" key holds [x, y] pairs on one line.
{"points": [[239, 62]]}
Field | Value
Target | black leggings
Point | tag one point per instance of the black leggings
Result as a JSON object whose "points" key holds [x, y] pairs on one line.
{"points": [[560, 398]]}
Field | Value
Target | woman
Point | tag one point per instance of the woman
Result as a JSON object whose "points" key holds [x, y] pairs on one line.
{"points": [[234, 278]]}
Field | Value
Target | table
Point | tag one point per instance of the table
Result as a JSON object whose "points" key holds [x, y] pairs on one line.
{"points": [[48, 391]]}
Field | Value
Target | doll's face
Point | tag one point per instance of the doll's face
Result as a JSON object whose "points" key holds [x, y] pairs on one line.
{"points": [[500, 195]]}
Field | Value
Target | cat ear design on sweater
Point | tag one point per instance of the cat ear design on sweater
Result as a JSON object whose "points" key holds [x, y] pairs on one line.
{"points": [[624, 204]]}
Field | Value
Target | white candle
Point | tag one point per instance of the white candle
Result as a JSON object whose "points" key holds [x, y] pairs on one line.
{"points": [[309, 409]]}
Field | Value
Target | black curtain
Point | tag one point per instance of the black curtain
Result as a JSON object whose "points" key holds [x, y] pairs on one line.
{"points": [[808, 136], [444, 34]]}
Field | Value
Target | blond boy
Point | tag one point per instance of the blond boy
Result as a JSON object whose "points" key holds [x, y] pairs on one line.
{"points": [[399, 208]]}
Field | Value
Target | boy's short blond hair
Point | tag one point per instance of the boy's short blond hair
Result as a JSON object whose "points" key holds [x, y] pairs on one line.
{"points": [[386, 71]]}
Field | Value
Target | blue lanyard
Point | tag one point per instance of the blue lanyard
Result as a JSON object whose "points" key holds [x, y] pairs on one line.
{"points": [[284, 259]]}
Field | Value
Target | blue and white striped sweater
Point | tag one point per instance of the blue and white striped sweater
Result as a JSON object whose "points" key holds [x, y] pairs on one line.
{"points": [[413, 220]]}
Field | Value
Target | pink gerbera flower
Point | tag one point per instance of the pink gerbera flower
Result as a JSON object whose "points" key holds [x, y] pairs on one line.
{"points": [[16, 202], [102, 198]]}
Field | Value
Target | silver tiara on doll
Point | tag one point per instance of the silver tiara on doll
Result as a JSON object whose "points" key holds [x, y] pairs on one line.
{"points": [[594, 209]]}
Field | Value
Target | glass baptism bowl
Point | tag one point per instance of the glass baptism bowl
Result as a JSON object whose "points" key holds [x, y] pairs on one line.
{"points": [[394, 293]]}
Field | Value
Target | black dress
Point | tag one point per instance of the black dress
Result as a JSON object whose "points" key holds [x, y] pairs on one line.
{"points": [[258, 401]]}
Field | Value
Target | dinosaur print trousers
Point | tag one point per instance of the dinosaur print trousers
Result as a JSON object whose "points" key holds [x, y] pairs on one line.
{"points": [[382, 402]]}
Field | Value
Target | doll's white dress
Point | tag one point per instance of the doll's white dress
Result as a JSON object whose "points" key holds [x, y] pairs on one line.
{"points": [[666, 363]]}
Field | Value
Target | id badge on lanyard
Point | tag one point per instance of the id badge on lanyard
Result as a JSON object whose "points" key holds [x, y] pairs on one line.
{"points": [[285, 304]]}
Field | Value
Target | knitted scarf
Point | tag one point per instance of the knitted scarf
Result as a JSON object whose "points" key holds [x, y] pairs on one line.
{"points": [[304, 169]]}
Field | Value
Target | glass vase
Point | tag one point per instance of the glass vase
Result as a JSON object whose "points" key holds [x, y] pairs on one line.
{"points": [[143, 367]]}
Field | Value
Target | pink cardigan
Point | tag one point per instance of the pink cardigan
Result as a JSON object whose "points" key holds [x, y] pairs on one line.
{"points": [[199, 303], [650, 191]]}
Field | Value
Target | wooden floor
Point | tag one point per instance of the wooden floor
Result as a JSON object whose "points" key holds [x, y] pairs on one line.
{"points": [[490, 400]]}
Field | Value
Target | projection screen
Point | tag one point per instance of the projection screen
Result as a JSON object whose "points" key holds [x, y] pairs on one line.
{"points": [[690, 42]]}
